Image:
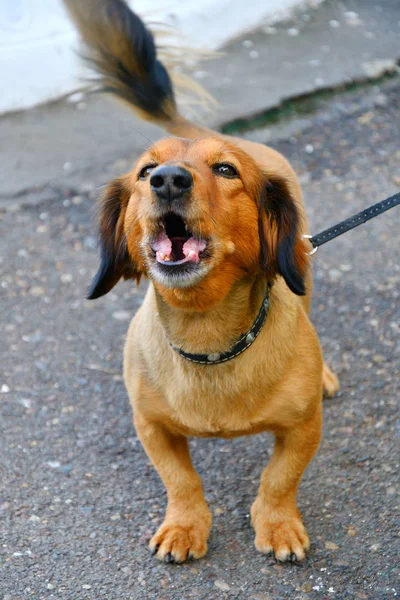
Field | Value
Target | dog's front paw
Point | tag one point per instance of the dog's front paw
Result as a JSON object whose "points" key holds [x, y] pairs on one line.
{"points": [[175, 543], [282, 535]]}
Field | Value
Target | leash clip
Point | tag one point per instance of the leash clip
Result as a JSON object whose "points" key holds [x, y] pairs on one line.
{"points": [[307, 236]]}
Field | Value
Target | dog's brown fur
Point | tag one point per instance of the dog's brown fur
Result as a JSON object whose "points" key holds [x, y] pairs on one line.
{"points": [[255, 224]]}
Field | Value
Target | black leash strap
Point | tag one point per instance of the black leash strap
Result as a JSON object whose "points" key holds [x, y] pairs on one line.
{"points": [[352, 222]]}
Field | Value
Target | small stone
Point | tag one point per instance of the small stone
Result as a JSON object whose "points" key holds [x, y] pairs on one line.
{"points": [[331, 546], [248, 43], [390, 491], [309, 148], [334, 275], [345, 268], [254, 54], [77, 200], [340, 563], [334, 24], [381, 100], [320, 564], [218, 511], [4, 389], [86, 586], [352, 18], [293, 31], [50, 586], [127, 570], [115, 517], [26, 402], [121, 315], [66, 277], [378, 358], [34, 519], [36, 290], [374, 547], [222, 585], [366, 118], [351, 531], [53, 464], [306, 587], [396, 179]]}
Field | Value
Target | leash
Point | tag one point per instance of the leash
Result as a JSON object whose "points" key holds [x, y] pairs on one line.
{"points": [[352, 222]]}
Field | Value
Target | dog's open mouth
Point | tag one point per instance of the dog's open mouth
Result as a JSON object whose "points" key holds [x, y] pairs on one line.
{"points": [[176, 245]]}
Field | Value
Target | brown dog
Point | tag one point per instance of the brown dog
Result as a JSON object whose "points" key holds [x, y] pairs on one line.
{"points": [[222, 345]]}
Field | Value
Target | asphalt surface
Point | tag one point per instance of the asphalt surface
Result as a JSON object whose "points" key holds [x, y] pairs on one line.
{"points": [[79, 499]]}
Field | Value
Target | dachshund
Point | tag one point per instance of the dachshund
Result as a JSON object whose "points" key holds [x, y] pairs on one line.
{"points": [[222, 345]]}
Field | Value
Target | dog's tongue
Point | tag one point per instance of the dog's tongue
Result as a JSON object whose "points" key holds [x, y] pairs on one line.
{"points": [[190, 249]]}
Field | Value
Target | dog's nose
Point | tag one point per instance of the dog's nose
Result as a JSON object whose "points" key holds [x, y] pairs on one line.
{"points": [[170, 182]]}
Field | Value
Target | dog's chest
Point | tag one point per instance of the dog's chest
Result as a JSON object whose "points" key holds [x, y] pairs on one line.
{"points": [[211, 403]]}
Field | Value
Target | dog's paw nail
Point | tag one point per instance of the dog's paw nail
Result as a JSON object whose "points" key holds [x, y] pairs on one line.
{"points": [[293, 558], [282, 558], [189, 556], [169, 558], [154, 550]]}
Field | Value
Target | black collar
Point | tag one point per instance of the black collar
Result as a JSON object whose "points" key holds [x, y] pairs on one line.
{"points": [[240, 346]]}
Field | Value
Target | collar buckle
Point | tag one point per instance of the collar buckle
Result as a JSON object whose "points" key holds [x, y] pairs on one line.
{"points": [[307, 236]]}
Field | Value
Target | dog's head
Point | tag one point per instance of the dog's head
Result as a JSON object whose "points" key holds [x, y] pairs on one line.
{"points": [[195, 217]]}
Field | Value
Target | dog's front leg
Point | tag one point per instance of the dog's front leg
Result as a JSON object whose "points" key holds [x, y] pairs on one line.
{"points": [[274, 514], [187, 522]]}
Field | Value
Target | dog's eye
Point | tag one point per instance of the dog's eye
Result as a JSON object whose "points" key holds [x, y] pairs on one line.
{"points": [[225, 170], [146, 170]]}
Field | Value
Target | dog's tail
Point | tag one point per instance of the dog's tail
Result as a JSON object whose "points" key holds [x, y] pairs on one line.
{"points": [[123, 52]]}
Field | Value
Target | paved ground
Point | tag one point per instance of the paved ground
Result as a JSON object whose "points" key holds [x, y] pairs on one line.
{"points": [[79, 499]]}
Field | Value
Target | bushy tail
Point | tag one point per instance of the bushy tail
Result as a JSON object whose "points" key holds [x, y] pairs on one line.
{"points": [[122, 51]]}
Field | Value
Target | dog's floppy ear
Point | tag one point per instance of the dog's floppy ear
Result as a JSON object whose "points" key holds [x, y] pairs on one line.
{"points": [[115, 261], [282, 249]]}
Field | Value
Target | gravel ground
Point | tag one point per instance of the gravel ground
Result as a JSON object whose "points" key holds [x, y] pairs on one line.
{"points": [[79, 499]]}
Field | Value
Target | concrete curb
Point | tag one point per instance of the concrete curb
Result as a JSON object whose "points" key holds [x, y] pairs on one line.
{"points": [[80, 142]]}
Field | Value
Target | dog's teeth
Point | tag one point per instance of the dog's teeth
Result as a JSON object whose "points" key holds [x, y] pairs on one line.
{"points": [[193, 256]]}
